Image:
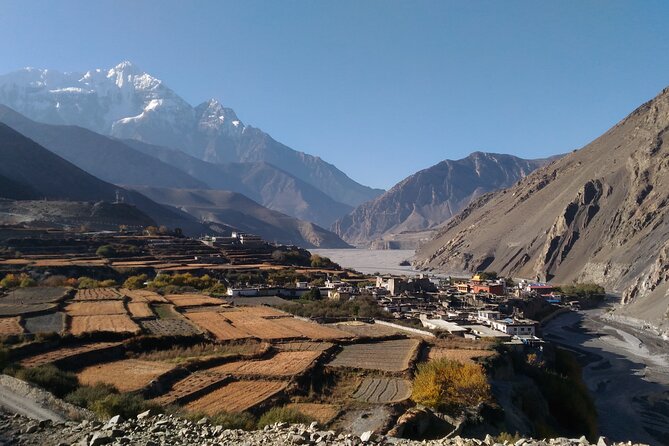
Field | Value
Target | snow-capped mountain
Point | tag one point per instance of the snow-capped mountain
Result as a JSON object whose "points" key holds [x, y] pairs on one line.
{"points": [[128, 103]]}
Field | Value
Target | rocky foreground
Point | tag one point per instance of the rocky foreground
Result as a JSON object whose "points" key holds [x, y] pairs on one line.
{"points": [[147, 430]]}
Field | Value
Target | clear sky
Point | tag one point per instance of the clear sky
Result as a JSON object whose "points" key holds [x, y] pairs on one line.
{"points": [[381, 89]]}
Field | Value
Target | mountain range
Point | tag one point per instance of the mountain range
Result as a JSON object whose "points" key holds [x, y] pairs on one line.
{"points": [[430, 197], [127, 103], [598, 214]]}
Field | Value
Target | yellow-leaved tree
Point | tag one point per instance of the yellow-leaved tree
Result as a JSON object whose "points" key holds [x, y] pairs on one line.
{"points": [[449, 385]]}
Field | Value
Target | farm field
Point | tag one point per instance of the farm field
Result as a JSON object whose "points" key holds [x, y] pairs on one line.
{"points": [[236, 396], [323, 413], [362, 329], [312, 330], [264, 312], [116, 323], [65, 352], [143, 296], [193, 300], [45, 323], [103, 307], [458, 354], [36, 295], [258, 327], [389, 356], [217, 325], [299, 346], [21, 309], [140, 310], [10, 326], [193, 383], [126, 375], [166, 311], [281, 364], [170, 327], [255, 301], [383, 390], [98, 294]]}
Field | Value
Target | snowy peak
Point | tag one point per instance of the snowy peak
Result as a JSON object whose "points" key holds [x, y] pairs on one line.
{"points": [[212, 115]]}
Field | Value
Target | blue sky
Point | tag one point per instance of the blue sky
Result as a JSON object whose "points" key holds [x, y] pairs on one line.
{"points": [[379, 88]]}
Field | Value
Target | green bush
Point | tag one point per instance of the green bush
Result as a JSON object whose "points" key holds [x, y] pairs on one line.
{"points": [[108, 283], [87, 282], [127, 405], [135, 282], [283, 414], [106, 251], [235, 420], [87, 396], [27, 282], [51, 378]]}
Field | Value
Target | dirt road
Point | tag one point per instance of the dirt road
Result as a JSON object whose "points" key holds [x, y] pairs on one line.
{"points": [[13, 402]]}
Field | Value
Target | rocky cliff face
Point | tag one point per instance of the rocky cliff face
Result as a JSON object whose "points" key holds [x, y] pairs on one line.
{"points": [[598, 214], [428, 198]]}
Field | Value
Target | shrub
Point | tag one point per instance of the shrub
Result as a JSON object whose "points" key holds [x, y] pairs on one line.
{"points": [[283, 414], [54, 281], [135, 282], [127, 405], [106, 251], [107, 283], [322, 262], [87, 396], [87, 282], [235, 420], [27, 282], [313, 294], [51, 378], [583, 290], [12, 280], [449, 385]]}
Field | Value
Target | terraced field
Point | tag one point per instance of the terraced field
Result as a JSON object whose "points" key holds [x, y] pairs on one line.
{"points": [[382, 390], [361, 329], [170, 327], [10, 326], [45, 323], [258, 327], [300, 346], [140, 310], [89, 308], [126, 375], [388, 356], [236, 396], [36, 295], [193, 300], [311, 330], [281, 364], [142, 296], [193, 383], [114, 323], [458, 354], [98, 294], [65, 352], [21, 309], [217, 325], [323, 413]]}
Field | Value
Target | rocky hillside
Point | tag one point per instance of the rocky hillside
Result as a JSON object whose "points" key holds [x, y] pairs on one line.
{"points": [[598, 214], [430, 197], [237, 211], [126, 102], [161, 429]]}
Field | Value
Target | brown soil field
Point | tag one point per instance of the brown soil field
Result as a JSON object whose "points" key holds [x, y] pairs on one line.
{"points": [[189, 385], [10, 326], [237, 396], [170, 327], [383, 390], [98, 294], [19, 309], [116, 323], [142, 296], [281, 364], [45, 323], [312, 330], [258, 327], [65, 352], [140, 309], [302, 346], [166, 311], [217, 325], [193, 300], [389, 356], [265, 311], [96, 308], [458, 354], [126, 375], [323, 413], [36, 295], [361, 329]]}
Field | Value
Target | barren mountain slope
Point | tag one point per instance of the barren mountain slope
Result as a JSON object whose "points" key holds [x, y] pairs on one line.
{"points": [[237, 211], [597, 214], [432, 196]]}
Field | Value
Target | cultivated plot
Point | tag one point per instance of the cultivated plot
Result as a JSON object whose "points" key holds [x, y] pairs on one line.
{"points": [[297, 346], [383, 390], [236, 396], [170, 327], [102, 307], [21, 309], [217, 325], [65, 352], [194, 383], [460, 355], [37, 295], [126, 375], [281, 364], [323, 413], [140, 310], [45, 323], [389, 356], [114, 323], [10, 326], [98, 294], [193, 300], [142, 296]]}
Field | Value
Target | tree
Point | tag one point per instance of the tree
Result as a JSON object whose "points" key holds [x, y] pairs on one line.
{"points": [[313, 294], [106, 251], [449, 385], [135, 282]]}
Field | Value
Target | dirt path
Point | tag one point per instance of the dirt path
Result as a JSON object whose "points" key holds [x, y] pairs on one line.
{"points": [[13, 402], [627, 374]]}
